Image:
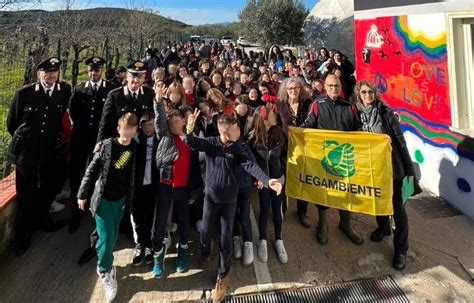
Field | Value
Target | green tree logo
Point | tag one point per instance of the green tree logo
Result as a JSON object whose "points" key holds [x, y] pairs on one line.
{"points": [[339, 160]]}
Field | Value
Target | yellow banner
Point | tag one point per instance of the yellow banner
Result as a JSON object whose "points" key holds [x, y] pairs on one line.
{"points": [[345, 170]]}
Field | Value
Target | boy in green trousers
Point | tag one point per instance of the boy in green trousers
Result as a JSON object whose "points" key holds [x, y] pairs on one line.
{"points": [[111, 175]]}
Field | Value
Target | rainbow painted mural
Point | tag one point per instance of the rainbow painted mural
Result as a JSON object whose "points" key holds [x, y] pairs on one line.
{"points": [[432, 46], [406, 57]]}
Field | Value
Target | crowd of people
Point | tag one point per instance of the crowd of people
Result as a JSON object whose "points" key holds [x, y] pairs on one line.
{"points": [[178, 140]]}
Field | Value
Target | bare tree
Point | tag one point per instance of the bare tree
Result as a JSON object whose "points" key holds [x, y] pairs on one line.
{"points": [[74, 35], [24, 39], [317, 30], [36, 53], [18, 5], [141, 27]]}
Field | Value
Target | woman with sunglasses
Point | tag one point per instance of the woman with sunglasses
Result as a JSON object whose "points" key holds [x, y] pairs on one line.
{"points": [[377, 117]]}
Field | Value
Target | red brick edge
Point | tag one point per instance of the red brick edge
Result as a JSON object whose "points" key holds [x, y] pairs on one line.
{"points": [[7, 191]]}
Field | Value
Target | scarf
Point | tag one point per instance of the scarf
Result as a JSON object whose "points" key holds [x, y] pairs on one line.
{"points": [[370, 118]]}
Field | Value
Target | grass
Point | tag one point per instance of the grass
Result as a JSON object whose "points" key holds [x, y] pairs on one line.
{"points": [[11, 79]]}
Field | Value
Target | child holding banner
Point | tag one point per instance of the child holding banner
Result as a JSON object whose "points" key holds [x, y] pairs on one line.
{"points": [[377, 117]]}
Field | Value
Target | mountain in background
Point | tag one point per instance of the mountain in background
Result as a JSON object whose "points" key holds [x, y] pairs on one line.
{"points": [[95, 17], [216, 24]]}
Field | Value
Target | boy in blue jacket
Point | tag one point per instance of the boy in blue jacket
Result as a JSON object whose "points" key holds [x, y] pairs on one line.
{"points": [[224, 160]]}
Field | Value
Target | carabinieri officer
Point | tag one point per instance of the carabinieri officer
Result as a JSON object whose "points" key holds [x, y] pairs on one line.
{"points": [[132, 97], [85, 110], [38, 149]]}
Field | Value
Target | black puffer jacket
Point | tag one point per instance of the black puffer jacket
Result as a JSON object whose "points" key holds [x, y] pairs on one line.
{"points": [[271, 156], [401, 160], [332, 115], [166, 153]]}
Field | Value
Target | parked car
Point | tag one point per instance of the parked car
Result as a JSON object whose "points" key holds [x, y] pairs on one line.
{"points": [[208, 39], [226, 40], [243, 42], [195, 38]]}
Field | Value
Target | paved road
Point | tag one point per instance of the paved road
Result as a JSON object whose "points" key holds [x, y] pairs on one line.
{"points": [[442, 242]]}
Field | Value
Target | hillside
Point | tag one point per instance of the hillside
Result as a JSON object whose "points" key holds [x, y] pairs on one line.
{"points": [[104, 18]]}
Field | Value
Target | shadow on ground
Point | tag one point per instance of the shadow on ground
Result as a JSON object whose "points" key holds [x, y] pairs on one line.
{"points": [[440, 247]]}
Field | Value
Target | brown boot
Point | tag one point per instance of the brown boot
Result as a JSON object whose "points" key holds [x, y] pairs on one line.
{"points": [[219, 292], [345, 226]]}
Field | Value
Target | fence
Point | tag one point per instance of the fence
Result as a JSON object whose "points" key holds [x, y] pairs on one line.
{"points": [[17, 68]]}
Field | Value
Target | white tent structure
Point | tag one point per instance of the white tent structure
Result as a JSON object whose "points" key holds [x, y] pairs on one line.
{"points": [[330, 24]]}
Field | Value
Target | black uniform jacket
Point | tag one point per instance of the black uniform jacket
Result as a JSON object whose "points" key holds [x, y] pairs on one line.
{"points": [[120, 101], [85, 108], [35, 123]]}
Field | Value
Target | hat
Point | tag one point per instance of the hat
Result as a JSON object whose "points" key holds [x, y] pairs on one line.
{"points": [[95, 62], [137, 68], [51, 64]]}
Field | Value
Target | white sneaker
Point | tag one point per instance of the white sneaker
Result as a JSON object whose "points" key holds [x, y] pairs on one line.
{"points": [[237, 246], [262, 251], [167, 241], [281, 251], [247, 258], [174, 227], [109, 280], [56, 207]]}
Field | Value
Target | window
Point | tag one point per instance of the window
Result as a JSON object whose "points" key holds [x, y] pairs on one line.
{"points": [[461, 62]]}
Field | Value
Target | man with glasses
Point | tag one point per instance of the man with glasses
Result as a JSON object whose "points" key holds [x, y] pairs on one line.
{"points": [[333, 113], [38, 149], [85, 111]]}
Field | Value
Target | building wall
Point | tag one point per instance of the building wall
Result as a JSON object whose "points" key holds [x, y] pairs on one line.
{"points": [[406, 57]]}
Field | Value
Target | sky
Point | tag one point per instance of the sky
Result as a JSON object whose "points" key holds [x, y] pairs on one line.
{"points": [[193, 12]]}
